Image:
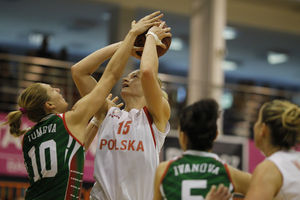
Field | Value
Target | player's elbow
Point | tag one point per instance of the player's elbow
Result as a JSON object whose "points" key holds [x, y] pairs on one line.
{"points": [[147, 74], [75, 71]]}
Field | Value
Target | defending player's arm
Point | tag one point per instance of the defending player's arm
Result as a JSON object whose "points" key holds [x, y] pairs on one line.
{"points": [[83, 70], [265, 183], [94, 124], [91, 132], [156, 102], [240, 179], [158, 178]]}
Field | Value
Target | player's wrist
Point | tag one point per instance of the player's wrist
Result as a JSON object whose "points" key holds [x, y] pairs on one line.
{"points": [[157, 40]]}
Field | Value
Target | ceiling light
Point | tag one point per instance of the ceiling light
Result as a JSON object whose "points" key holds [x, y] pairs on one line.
{"points": [[229, 65], [176, 44], [181, 94], [35, 38], [226, 100], [229, 33], [277, 57]]}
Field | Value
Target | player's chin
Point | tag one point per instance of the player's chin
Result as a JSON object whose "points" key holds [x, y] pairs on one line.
{"points": [[123, 92]]}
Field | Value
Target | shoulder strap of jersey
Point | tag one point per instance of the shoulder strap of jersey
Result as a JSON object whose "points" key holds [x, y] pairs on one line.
{"points": [[62, 116], [150, 120]]}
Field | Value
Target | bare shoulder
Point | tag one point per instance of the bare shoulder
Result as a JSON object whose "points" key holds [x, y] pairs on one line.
{"points": [[268, 171], [161, 170], [162, 167], [266, 182]]}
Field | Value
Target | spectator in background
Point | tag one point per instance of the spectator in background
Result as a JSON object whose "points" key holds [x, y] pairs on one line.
{"points": [[43, 50], [63, 53]]}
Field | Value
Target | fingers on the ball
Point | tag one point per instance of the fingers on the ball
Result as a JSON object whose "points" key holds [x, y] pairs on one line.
{"points": [[168, 34], [138, 48], [151, 16], [163, 46], [157, 18], [162, 24], [168, 29], [156, 23]]}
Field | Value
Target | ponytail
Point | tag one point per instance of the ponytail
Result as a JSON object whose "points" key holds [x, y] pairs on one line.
{"points": [[14, 122], [31, 102]]}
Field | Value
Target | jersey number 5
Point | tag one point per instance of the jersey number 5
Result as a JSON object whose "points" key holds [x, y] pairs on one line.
{"points": [[188, 185], [50, 158]]}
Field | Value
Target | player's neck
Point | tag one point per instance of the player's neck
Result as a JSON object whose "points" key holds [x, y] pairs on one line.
{"points": [[134, 103]]}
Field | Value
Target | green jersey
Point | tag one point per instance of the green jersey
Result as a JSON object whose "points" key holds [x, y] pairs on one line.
{"points": [[54, 160], [192, 175]]}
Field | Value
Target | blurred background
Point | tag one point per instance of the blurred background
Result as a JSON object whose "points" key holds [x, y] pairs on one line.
{"points": [[240, 52]]}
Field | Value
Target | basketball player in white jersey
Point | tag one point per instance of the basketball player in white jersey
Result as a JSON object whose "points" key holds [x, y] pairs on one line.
{"points": [[276, 132], [130, 139]]}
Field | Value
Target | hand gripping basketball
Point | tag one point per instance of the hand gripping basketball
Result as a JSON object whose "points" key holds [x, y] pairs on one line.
{"points": [[166, 41]]}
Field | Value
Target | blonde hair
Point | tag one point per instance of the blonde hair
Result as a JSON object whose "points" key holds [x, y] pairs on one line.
{"points": [[165, 94], [32, 101], [283, 119]]}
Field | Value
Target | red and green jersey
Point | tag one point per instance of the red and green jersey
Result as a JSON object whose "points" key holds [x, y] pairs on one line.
{"points": [[192, 175], [54, 160]]}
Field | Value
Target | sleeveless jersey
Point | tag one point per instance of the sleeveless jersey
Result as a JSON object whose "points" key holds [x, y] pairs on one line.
{"points": [[54, 160], [127, 155], [288, 163], [192, 175]]}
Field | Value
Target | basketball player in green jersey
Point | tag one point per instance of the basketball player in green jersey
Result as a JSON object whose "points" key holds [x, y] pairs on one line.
{"points": [[193, 174], [53, 149]]}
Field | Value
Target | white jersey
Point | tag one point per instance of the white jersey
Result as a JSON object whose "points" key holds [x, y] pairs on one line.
{"points": [[288, 163], [127, 155]]}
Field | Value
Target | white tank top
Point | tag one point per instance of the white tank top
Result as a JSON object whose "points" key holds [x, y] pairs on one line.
{"points": [[127, 155], [288, 163]]}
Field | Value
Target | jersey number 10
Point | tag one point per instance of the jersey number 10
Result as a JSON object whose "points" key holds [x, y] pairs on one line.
{"points": [[51, 172]]}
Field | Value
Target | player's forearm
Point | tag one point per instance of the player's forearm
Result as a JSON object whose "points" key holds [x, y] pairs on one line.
{"points": [[119, 60], [90, 133], [149, 60], [90, 64], [81, 71]]}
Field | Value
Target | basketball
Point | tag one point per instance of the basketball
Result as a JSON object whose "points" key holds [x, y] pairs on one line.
{"points": [[141, 39]]}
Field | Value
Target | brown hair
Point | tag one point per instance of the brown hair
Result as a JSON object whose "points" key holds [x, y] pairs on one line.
{"points": [[32, 101], [283, 119], [199, 122]]}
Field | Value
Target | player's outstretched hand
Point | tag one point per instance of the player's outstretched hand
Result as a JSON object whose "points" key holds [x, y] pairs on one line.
{"points": [[146, 22], [222, 193]]}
